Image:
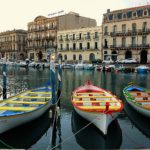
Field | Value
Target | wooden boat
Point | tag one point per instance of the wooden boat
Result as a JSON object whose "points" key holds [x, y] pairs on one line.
{"points": [[24, 107], [96, 105], [138, 98]]}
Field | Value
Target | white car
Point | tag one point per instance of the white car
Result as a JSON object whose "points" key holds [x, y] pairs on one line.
{"points": [[109, 61], [126, 61]]}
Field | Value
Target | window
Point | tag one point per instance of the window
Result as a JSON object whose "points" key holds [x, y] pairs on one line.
{"points": [[80, 57], [144, 26], [61, 46], [115, 28], [134, 27], [65, 57], [105, 30], [110, 17], [96, 35], [144, 40], [96, 45], [129, 14], [74, 57], [60, 37], [67, 46], [145, 13], [119, 15], [88, 35], [124, 16], [123, 42], [74, 46], [67, 37], [80, 46], [139, 13], [134, 14], [123, 28], [114, 42], [88, 45], [133, 41], [73, 36], [80, 36]]}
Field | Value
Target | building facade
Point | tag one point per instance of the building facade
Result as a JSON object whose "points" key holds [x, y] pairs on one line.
{"points": [[13, 45], [42, 33], [41, 37], [83, 44], [126, 34]]}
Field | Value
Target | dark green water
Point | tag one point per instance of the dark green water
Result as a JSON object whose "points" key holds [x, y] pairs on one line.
{"points": [[129, 131]]}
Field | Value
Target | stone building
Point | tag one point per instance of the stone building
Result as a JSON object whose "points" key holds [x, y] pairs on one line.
{"points": [[126, 34], [83, 44], [42, 33], [13, 45]]}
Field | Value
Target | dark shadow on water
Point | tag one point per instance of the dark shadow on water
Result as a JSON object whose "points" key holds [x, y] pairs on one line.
{"points": [[23, 137], [91, 138], [140, 121]]}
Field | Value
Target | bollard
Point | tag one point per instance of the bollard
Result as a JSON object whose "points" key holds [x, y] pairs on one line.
{"points": [[4, 82]]}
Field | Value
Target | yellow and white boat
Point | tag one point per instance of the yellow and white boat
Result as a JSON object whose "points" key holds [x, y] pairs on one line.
{"points": [[96, 105], [24, 107]]}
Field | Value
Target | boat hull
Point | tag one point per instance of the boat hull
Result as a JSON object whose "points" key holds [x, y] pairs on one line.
{"points": [[100, 120], [142, 111], [9, 122]]}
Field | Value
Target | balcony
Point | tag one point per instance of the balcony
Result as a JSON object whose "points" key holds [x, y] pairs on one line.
{"points": [[130, 33], [130, 47]]}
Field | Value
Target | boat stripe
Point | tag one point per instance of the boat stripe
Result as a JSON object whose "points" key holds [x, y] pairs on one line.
{"points": [[17, 108], [24, 102]]}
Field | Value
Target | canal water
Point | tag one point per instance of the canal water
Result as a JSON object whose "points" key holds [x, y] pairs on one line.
{"points": [[129, 131]]}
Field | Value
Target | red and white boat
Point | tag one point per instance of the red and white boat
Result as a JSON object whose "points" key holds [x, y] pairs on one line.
{"points": [[96, 105]]}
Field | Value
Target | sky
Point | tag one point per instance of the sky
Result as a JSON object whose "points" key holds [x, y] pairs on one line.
{"points": [[15, 14]]}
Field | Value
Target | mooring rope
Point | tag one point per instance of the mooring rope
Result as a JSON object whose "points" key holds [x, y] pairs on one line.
{"points": [[68, 138]]}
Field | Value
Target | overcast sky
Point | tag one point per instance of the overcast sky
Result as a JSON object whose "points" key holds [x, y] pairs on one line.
{"points": [[15, 14]]}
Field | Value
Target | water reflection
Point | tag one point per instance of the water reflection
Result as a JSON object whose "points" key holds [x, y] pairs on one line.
{"points": [[25, 136], [91, 138], [140, 121]]}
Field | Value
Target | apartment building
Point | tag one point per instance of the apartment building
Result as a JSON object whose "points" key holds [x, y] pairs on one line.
{"points": [[42, 33], [13, 45], [126, 34], [83, 44]]}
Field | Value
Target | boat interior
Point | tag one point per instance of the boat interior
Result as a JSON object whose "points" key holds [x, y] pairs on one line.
{"points": [[24, 102], [95, 101]]}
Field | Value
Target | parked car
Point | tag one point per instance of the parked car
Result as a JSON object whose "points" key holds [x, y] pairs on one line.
{"points": [[127, 61], [108, 61]]}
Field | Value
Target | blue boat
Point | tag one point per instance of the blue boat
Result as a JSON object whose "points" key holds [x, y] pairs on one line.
{"points": [[142, 69]]}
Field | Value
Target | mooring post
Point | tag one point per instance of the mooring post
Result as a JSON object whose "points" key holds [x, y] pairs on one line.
{"points": [[52, 79], [4, 81], [59, 82]]}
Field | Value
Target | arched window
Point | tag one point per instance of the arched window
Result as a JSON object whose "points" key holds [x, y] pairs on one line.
{"points": [[80, 57], [91, 56], [74, 57], [65, 57], [60, 57]]}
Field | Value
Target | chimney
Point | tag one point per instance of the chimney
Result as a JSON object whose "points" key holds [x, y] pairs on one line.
{"points": [[108, 10]]}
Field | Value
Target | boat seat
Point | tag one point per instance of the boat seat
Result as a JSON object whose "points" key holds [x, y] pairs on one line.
{"points": [[39, 92], [17, 108], [99, 107], [92, 97], [24, 102], [98, 101], [36, 97]]}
